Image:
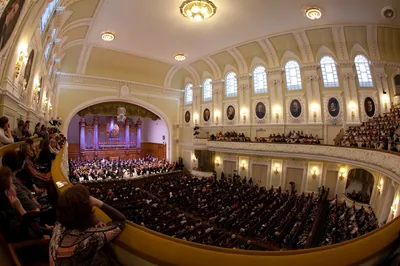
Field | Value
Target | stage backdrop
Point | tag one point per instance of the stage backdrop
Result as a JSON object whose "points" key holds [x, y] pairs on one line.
{"points": [[154, 131]]}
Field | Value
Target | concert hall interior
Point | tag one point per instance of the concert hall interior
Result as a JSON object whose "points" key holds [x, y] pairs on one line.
{"points": [[199, 132]]}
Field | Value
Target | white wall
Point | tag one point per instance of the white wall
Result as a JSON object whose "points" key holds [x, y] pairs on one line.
{"points": [[153, 131]]}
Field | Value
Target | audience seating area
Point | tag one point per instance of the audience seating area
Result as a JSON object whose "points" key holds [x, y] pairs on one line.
{"points": [[227, 213], [379, 133]]}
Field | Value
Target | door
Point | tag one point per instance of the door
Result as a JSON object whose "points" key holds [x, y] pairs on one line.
{"points": [[331, 180], [294, 175], [229, 168], [259, 174]]}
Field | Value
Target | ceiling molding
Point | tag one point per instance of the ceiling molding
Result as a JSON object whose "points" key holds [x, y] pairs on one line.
{"points": [[75, 24], [270, 52], [214, 66], [240, 61], [84, 58], [340, 43], [170, 75], [81, 77], [304, 45], [372, 37], [71, 44], [195, 75]]}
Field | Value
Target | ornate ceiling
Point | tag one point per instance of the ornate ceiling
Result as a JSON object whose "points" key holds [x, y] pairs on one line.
{"points": [[149, 33]]}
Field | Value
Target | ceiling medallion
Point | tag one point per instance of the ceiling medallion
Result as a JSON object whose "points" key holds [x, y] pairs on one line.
{"points": [[180, 57], [198, 9], [107, 36], [313, 13]]}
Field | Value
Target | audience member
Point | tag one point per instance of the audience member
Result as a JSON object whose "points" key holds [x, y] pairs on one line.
{"points": [[78, 237]]}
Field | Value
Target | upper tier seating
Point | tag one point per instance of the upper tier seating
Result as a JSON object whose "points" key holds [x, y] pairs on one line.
{"points": [[380, 132]]}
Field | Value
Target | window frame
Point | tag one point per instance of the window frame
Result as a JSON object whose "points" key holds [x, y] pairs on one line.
{"points": [[298, 86], [264, 89], [189, 86], [334, 73], [234, 93], [368, 72], [209, 90], [47, 15]]}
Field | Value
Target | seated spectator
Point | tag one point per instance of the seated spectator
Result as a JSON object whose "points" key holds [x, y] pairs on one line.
{"points": [[53, 147], [11, 160], [17, 133], [5, 132], [78, 238], [45, 156], [17, 224], [25, 131]]}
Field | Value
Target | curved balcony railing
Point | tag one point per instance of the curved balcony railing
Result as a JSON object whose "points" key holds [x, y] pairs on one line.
{"points": [[139, 243]]}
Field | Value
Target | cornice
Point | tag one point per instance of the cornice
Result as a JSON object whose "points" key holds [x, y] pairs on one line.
{"points": [[119, 81]]}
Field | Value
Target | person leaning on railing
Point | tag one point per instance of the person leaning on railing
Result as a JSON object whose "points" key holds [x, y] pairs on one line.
{"points": [[78, 237]]}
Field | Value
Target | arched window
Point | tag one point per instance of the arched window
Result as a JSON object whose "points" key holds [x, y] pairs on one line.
{"points": [[207, 90], [46, 16], [363, 71], [231, 85], [329, 72], [259, 80], [293, 77], [189, 93]]}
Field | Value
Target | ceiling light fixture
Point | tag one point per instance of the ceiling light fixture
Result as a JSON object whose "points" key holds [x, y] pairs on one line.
{"points": [[180, 57], [198, 9], [108, 36], [313, 13]]}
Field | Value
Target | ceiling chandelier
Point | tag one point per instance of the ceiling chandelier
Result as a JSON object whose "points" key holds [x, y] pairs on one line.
{"points": [[313, 13], [180, 57], [108, 36], [198, 9]]}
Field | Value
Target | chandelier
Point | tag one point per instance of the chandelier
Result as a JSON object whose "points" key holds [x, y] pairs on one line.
{"points": [[313, 13], [180, 57], [198, 9], [108, 36]]}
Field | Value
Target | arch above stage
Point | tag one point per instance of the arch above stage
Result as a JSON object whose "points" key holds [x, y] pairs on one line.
{"points": [[135, 101]]}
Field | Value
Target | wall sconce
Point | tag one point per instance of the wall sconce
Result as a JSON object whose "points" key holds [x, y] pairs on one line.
{"points": [[243, 165], [196, 118], [217, 114], [36, 86], [394, 206], [380, 186], [314, 108], [385, 99], [341, 173], [314, 172], [277, 110], [22, 59], [352, 107], [276, 171], [193, 158], [50, 106], [217, 162], [244, 114]]}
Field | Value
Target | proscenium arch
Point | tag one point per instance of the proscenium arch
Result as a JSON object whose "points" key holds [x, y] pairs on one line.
{"points": [[138, 102]]}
